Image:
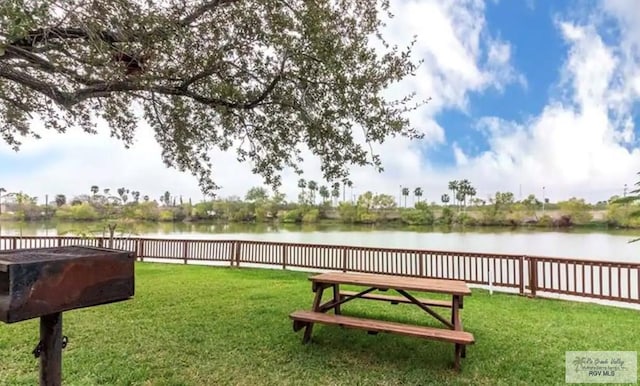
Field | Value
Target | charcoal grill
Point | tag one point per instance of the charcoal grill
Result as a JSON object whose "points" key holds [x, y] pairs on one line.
{"points": [[43, 283]]}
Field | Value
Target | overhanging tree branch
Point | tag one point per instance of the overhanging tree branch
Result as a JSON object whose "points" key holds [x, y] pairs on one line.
{"points": [[265, 93], [47, 34], [34, 84], [204, 8], [47, 66], [207, 80], [44, 35], [17, 104]]}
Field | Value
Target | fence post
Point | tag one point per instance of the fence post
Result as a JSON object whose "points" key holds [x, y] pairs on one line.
{"points": [[421, 264], [522, 258], [237, 253], [284, 256], [185, 251], [344, 259], [533, 275], [59, 241], [490, 276], [14, 243], [141, 249], [136, 248]]}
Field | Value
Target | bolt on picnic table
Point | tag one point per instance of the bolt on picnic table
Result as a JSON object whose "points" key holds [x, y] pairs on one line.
{"points": [[453, 333], [42, 283]]}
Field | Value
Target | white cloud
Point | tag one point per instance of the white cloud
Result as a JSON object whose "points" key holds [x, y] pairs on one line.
{"points": [[460, 157], [500, 54], [578, 145], [590, 65], [451, 36]]}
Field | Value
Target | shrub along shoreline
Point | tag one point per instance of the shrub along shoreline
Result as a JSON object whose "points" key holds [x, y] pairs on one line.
{"points": [[502, 210]]}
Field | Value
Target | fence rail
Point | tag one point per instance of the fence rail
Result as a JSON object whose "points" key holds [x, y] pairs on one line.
{"points": [[617, 281]]}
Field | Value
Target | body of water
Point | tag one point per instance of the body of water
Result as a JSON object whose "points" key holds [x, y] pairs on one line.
{"points": [[593, 244]]}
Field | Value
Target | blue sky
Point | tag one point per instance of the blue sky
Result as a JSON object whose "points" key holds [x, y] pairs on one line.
{"points": [[524, 94], [532, 34], [538, 52]]}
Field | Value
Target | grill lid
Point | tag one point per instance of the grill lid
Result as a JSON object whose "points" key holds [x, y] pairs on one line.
{"points": [[41, 255]]}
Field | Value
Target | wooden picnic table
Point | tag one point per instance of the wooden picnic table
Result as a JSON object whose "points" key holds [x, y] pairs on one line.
{"points": [[452, 331]]}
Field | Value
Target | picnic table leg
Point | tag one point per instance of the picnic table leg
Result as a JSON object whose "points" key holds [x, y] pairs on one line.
{"points": [[318, 289], [455, 317], [455, 313], [460, 349], [336, 298], [456, 363]]}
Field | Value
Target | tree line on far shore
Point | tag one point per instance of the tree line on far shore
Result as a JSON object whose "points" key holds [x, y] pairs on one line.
{"points": [[321, 203]]}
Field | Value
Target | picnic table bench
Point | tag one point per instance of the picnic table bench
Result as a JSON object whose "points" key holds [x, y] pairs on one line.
{"points": [[452, 333]]}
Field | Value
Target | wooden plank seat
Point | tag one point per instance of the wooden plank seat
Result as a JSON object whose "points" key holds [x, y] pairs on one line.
{"points": [[303, 318], [398, 299]]}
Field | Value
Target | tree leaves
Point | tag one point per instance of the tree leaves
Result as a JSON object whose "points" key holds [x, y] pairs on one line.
{"points": [[265, 79]]}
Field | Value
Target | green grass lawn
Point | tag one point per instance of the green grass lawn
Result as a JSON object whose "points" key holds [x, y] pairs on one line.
{"points": [[195, 325]]}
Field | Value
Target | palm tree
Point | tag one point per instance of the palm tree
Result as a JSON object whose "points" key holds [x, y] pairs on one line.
{"points": [[405, 193], [324, 193], [460, 197], [94, 189], [344, 188], [302, 184], [444, 198], [472, 192], [350, 185], [60, 200], [462, 193], [145, 198], [464, 190], [417, 193], [335, 192], [453, 187], [2, 190], [122, 193], [313, 186]]}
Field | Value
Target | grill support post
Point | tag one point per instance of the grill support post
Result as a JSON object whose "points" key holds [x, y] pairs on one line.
{"points": [[51, 355]]}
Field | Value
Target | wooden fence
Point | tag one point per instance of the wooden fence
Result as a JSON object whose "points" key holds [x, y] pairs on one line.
{"points": [[529, 275]]}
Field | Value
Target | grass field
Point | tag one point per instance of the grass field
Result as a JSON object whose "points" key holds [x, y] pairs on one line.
{"points": [[195, 325]]}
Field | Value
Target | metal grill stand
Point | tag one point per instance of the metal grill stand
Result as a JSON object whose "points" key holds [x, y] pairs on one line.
{"points": [[43, 283]]}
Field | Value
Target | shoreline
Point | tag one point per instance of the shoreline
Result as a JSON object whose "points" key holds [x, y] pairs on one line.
{"points": [[396, 224]]}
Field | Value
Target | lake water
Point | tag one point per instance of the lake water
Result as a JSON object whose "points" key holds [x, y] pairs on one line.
{"points": [[593, 244]]}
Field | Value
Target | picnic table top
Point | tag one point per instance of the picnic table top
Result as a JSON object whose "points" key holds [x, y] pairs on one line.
{"points": [[454, 287]]}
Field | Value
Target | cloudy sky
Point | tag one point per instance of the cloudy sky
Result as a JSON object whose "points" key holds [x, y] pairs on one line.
{"points": [[524, 94]]}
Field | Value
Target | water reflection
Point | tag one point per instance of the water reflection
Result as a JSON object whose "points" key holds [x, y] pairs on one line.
{"points": [[582, 243]]}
